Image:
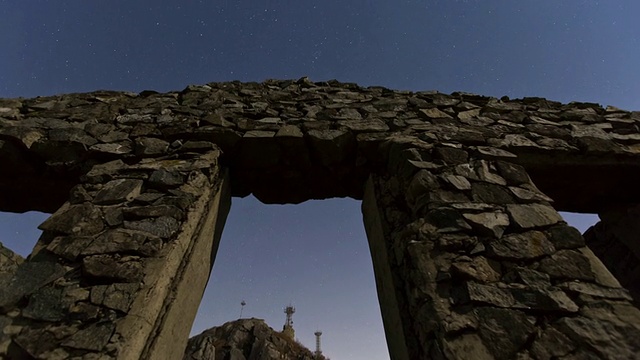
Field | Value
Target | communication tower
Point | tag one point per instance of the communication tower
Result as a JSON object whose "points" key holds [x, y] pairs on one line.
{"points": [[287, 329], [318, 352], [242, 304]]}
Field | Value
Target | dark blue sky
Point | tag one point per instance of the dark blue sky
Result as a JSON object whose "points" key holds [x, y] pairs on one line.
{"points": [[584, 50], [314, 254]]}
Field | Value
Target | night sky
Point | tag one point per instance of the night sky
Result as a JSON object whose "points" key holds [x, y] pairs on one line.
{"points": [[314, 255]]}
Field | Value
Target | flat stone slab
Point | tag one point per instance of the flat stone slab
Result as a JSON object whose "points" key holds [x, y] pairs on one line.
{"points": [[530, 216]]}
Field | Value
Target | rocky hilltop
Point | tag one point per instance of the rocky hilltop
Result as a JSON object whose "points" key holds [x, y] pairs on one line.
{"points": [[245, 339]]}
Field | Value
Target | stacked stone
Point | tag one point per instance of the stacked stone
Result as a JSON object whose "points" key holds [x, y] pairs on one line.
{"points": [[465, 247], [9, 261], [119, 240], [278, 135], [491, 270], [614, 240]]}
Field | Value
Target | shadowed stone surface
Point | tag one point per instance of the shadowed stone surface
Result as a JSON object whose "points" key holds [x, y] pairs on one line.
{"points": [[459, 194], [615, 240], [9, 261], [324, 131]]}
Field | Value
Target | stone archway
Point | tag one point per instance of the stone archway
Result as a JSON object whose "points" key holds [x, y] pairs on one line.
{"points": [[470, 257]]}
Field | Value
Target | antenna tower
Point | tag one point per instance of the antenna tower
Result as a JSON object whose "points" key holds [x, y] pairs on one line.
{"points": [[287, 329], [318, 352], [242, 304], [289, 310]]}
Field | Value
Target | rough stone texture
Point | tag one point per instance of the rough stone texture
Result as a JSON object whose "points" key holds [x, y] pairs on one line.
{"points": [[465, 291], [9, 261], [108, 276], [459, 197], [28, 277], [323, 132], [615, 241], [245, 339]]}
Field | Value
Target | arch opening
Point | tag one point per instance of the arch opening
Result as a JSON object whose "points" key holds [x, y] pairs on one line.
{"points": [[580, 221], [312, 255], [19, 232]]}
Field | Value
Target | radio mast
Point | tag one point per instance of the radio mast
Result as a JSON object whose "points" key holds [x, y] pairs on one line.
{"points": [[242, 304], [318, 352], [287, 329]]}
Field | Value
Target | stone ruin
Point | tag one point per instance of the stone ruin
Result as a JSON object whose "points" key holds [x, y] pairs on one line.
{"points": [[459, 197]]}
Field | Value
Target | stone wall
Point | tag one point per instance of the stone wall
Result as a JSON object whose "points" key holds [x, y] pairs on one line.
{"points": [[289, 141], [9, 262], [121, 267], [484, 268], [615, 240], [458, 192]]}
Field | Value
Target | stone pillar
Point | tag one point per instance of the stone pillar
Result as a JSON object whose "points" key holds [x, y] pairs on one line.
{"points": [[472, 262], [121, 267], [615, 239], [386, 280]]}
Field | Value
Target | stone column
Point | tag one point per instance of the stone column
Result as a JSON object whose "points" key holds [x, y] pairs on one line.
{"points": [[615, 239], [472, 262], [121, 267]]}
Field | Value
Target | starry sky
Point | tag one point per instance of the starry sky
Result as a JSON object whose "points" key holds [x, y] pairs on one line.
{"points": [[314, 255]]}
